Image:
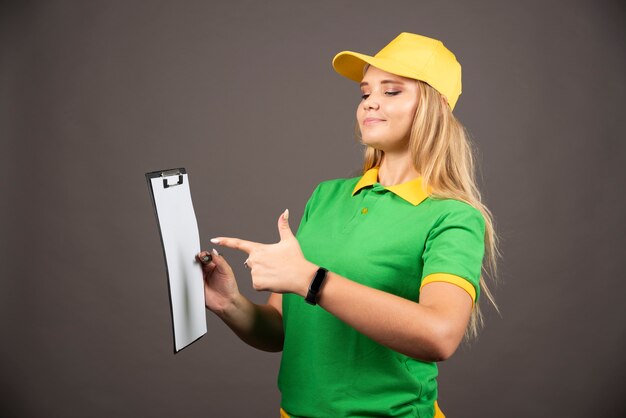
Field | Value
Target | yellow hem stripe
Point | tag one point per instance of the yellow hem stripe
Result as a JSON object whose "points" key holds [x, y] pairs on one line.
{"points": [[438, 413], [453, 279]]}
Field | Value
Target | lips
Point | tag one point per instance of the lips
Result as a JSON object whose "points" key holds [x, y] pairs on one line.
{"points": [[372, 121]]}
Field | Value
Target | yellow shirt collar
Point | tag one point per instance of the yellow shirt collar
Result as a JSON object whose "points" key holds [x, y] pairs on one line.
{"points": [[412, 191]]}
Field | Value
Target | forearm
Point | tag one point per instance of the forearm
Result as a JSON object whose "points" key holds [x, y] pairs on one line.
{"points": [[430, 330], [260, 326], [405, 326]]}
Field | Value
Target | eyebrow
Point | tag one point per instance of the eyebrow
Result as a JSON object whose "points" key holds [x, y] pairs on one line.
{"points": [[382, 82]]}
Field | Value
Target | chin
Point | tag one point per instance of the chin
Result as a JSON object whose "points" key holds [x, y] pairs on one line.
{"points": [[385, 145], [375, 146], [375, 143]]}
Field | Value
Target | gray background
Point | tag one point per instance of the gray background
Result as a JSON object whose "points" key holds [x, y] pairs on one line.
{"points": [[242, 94]]}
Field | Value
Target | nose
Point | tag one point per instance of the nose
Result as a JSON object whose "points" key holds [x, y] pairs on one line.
{"points": [[370, 103]]}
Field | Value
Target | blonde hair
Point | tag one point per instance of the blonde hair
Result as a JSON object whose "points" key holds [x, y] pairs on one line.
{"points": [[442, 153]]}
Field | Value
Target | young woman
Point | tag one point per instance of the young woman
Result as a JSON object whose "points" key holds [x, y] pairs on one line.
{"points": [[389, 262]]}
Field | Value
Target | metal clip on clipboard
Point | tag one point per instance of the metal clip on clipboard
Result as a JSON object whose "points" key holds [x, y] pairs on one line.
{"points": [[168, 173]]}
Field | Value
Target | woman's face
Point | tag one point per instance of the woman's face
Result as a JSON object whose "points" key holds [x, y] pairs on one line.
{"points": [[385, 113]]}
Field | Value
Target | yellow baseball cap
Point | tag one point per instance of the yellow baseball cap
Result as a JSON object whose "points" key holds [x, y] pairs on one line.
{"points": [[409, 55]]}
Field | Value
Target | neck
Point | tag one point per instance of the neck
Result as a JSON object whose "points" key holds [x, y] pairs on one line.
{"points": [[396, 169]]}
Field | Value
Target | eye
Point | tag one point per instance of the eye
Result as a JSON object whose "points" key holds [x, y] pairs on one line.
{"points": [[364, 96]]}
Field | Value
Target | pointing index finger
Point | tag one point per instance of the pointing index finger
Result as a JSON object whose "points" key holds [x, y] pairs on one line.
{"points": [[236, 243]]}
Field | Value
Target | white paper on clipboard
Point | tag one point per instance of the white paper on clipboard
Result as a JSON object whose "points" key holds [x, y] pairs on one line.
{"points": [[171, 196]]}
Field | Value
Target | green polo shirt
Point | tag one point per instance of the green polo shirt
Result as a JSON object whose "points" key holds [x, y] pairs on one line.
{"points": [[395, 239]]}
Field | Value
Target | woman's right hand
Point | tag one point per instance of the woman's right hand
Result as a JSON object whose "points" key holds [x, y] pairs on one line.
{"points": [[220, 286]]}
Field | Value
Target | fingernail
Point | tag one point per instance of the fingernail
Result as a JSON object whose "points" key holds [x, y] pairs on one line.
{"points": [[286, 214], [214, 251], [215, 240]]}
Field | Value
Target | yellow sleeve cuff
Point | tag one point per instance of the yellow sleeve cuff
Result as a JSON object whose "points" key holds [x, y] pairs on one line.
{"points": [[451, 278]]}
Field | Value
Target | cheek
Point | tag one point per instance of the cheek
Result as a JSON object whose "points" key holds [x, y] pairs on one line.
{"points": [[409, 107], [408, 112], [405, 113]]}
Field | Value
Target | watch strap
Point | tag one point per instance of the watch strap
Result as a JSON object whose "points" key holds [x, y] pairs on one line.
{"points": [[316, 284]]}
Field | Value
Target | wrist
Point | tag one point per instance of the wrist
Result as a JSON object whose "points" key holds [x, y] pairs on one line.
{"points": [[228, 308], [315, 287], [306, 278]]}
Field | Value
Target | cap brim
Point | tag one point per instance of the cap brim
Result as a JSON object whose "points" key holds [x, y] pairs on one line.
{"points": [[350, 65]]}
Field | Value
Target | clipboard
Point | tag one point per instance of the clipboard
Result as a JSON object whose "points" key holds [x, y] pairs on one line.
{"points": [[178, 229]]}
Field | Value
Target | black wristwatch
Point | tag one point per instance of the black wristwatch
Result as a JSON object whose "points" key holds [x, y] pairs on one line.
{"points": [[316, 284]]}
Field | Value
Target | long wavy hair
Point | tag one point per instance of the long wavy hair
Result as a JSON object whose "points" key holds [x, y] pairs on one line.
{"points": [[442, 153]]}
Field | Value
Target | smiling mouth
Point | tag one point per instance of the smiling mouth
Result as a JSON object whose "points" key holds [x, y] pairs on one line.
{"points": [[372, 121]]}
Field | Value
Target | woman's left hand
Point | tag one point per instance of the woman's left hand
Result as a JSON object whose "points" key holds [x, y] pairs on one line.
{"points": [[280, 267]]}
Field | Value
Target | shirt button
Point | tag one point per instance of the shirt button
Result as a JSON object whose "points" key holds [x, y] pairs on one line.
{"points": [[364, 211]]}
